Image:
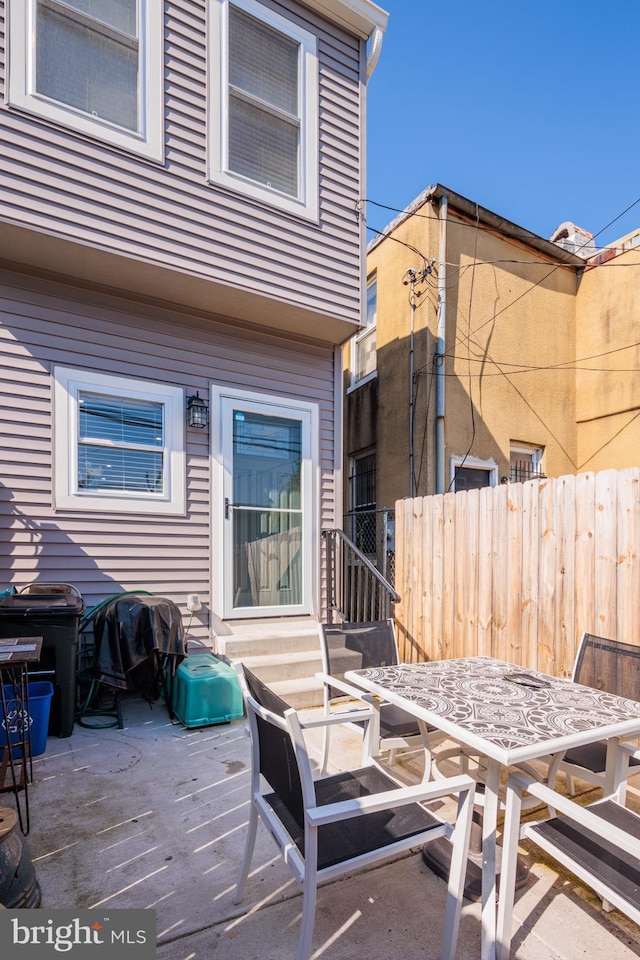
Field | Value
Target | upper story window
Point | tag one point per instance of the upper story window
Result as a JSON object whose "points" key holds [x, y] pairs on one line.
{"points": [[119, 444], [364, 358], [92, 65], [264, 134], [525, 462]]}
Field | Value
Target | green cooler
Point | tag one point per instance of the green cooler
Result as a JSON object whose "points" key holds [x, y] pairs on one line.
{"points": [[206, 691]]}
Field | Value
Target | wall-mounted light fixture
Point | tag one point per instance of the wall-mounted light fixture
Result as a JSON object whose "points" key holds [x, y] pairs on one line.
{"points": [[197, 411]]}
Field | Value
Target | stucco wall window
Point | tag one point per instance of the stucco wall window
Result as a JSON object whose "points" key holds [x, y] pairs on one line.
{"points": [[364, 355], [525, 462], [92, 65], [471, 473], [118, 444], [264, 131]]}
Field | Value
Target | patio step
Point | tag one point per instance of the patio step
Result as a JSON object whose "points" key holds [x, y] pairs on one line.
{"points": [[300, 694], [289, 666], [285, 653]]}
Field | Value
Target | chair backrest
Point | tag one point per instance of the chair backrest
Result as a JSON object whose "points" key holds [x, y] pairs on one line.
{"points": [[609, 665], [356, 646], [277, 758]]}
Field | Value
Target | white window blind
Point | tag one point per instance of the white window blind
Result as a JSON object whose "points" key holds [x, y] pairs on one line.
{"points": [[120, 444], [264, 111], [87, 56]]}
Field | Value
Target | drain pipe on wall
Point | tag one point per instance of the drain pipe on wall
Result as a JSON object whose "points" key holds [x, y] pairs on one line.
{"points": [[410, 278], [441, 344]]}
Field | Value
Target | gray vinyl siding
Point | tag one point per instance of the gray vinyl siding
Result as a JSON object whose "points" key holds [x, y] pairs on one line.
{"points": [[43, 324], [84, 190]]}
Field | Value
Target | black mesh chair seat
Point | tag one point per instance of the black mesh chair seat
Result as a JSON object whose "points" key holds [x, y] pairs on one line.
{"points": [[396, 722], [599, 843], [618, 869], [592, 756], [356, 646], [329, 827], [612, 666], [347, 839]]}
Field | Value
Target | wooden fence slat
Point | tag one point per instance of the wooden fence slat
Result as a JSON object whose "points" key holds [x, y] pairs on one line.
{"points": [[606, 554], [565, 575], [401, 555], [470, 638], [529, 600], [628, 592], [461, 587], [484, 618], [513, 638], [547, 575], [428, 619], [448, 556], [499, 586], [585, 566], [435, 644]]}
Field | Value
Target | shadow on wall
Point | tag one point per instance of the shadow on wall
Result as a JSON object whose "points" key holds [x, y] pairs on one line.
{"points": [[35, 550]]}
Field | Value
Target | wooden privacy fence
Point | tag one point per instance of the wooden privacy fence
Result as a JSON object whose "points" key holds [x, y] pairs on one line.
{"points": [[520, 571]]}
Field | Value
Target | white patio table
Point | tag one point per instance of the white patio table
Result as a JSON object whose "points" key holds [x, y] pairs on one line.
{"points": [[507, 714]]}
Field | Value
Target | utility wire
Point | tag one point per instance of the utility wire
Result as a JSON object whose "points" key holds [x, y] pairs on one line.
{"points": [[522, 235]]}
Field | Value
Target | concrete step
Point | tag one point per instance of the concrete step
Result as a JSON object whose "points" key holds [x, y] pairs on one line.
{"points": [[240, 646], [292, 666], [299, 694], [284, 653]]}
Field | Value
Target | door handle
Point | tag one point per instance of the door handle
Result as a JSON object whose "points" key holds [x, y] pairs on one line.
{"points": [[228, 506]]}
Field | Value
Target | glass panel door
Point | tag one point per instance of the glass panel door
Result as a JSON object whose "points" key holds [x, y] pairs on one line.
{"points": [[265, 528]]}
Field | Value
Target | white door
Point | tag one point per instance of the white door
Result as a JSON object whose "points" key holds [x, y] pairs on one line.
{"points": [[265, 456]]}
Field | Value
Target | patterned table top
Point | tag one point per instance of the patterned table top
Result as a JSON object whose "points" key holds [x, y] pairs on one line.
{"points": [[473, 700]]}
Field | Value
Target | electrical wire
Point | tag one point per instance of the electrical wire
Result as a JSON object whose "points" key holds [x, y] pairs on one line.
{"points": [[517, 234]]}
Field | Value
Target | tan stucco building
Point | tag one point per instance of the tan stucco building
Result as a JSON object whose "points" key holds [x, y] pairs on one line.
{"points": [[490, 354]]}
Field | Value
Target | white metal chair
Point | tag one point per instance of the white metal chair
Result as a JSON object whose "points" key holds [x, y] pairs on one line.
{"points": [[335, 825], [356, 646], [599, 843], [612, 666]]}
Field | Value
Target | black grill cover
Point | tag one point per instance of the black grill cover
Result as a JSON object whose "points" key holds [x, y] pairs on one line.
{"points": [[127, 633]]}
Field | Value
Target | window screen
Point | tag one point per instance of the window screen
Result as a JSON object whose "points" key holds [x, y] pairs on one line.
{"points": [[87, 57], [264, 112]]}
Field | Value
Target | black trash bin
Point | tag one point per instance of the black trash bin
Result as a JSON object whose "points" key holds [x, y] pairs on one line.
{"points": [[54, 616]]}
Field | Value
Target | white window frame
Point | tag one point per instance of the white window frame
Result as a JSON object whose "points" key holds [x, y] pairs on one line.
{"points": [[472, 463], [528, 450], [305, 205], [67, 384], [148, 141], [370, 329]]}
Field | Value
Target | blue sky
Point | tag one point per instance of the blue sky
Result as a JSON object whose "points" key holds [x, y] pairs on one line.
{"points": [[530, 109]]}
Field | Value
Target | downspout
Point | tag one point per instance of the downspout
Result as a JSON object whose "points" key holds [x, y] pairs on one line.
{"points": [[410, 278], [440, 345], [375, 46]]}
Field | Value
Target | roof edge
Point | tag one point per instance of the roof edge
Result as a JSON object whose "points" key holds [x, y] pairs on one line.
{"points": [[487, 217], [361, 17]]}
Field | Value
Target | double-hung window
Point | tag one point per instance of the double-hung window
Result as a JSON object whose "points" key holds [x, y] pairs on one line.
{"points": [[118, 444], [92, 65], [264, 134], [364, 356]]}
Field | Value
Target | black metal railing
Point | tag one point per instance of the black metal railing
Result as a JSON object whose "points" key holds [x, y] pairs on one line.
{"points": [[356, 591], [373, 533]]}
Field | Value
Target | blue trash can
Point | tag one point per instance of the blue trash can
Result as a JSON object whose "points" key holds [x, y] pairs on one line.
{"points": [[34, 722]]}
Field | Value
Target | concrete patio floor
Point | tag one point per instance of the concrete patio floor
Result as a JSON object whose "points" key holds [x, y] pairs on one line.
{"points": [[154, 816]]}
